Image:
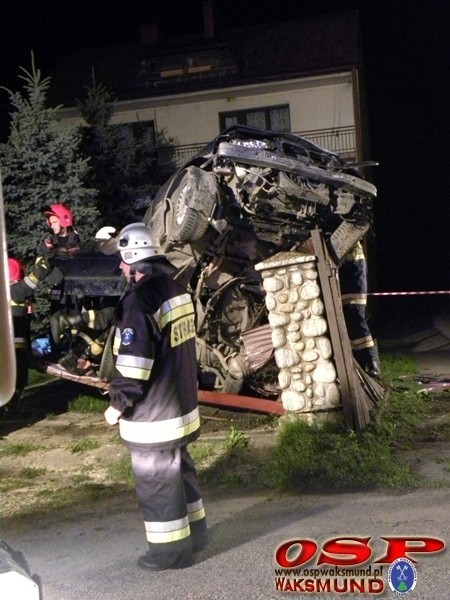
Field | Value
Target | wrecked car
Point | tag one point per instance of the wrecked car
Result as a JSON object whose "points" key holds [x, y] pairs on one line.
{"points": [[246, 196]]}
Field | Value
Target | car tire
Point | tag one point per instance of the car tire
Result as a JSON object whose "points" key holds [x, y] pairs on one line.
{"points": [[190, 226], [107, 368], [193, 202]]}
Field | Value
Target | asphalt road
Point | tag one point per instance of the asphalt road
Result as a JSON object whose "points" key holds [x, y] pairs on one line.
{"points": [[94, 557]]}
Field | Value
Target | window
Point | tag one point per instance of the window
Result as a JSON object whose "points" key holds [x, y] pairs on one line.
{"points": [[140, 131], [144, 131], [272, 118]]}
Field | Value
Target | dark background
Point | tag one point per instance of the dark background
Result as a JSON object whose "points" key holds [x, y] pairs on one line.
{"points": [[406, 55]]}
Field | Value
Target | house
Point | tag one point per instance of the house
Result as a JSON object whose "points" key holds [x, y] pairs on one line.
{"points": [[304, 76]]}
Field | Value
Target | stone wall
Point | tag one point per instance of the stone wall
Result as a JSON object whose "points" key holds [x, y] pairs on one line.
{"points": [[303, 350]]}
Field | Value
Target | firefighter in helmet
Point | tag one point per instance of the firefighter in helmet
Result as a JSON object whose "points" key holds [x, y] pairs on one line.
{"points": [[20, 292], [22, 288], [63, 241], [63, 237], [90, 329], [153, 398], [353, 285]]}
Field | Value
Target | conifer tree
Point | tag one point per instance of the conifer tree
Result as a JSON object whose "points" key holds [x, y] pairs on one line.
{"points": [[122, 159], [41, 165]]}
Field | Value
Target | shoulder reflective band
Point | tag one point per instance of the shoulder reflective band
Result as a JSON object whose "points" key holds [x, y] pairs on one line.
{"points": [[174, 308]]}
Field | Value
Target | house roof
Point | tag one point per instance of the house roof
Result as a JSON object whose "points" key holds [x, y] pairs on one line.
{"points": [[245, 55]]}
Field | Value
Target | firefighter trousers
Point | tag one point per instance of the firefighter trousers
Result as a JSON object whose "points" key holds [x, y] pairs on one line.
{"points": [[353, 284], [170, 500]]}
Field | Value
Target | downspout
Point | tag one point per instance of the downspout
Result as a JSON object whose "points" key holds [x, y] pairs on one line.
{"points": [[359, 141]]}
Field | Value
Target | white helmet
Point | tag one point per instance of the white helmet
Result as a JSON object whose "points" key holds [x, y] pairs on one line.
{"points": [[136, 242]]}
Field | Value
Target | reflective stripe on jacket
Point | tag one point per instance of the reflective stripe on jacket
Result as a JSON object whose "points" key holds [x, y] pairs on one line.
{"points": [[155, 386]]}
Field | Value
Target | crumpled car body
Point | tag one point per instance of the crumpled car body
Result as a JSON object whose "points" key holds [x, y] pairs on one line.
{"points": [[246, 196]]}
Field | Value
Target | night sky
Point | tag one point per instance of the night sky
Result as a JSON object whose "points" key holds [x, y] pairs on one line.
{"points": [[405, 47]]}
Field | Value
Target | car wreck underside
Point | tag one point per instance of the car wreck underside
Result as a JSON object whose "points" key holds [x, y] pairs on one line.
{"points": [[246, 196]]}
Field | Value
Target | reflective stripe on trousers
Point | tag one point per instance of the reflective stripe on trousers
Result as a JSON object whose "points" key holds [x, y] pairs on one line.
{"points": [[170, 500]]}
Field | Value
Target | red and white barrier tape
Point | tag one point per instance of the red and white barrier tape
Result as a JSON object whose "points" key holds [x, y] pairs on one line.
{"points": [[408, 293]]}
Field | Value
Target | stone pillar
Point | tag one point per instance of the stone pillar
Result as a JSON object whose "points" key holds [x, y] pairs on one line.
{"points": [[303, 350]]}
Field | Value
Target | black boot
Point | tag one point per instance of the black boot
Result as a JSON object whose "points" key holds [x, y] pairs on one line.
{"points": [[145, 562], [69, 362], [368, 360]]}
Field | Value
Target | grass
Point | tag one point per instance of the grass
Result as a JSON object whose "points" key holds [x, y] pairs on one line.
{"points": [[24, 478], [88, 404], [19, 449], [120, 471], [202, 452], [85, 445], [333, 458], [37, 378], [236, 439], [297, 457]]}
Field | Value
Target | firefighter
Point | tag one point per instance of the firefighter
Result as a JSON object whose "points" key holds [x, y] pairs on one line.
{"points": [[63, 241], [20, 292], [153, 398], [92, 327], [64, 238], [353, 284], [22, 288]]}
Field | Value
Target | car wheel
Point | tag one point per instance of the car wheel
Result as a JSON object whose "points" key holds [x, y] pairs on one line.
{"points": [[193, 202], [107, 368]]}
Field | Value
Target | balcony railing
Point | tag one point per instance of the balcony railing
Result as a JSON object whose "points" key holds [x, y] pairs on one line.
{"points": [[341, 140]]}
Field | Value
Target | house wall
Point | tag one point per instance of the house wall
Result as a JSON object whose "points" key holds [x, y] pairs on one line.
{"points": [[322, 102]]}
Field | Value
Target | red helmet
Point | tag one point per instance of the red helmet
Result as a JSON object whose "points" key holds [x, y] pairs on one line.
{"points": [[61, 211], [16, 270]]}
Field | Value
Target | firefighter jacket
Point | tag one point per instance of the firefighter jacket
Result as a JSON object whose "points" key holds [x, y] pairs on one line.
{"points": [[66, 245], [63, 243], [155, 386], [20, 292]]}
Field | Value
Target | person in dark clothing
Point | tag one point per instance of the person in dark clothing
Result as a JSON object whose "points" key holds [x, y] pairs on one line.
{"points": [[63, 241], [64, 238], [353, 285], [20, 292], [90, 329], [153, 398], [22, 288]]}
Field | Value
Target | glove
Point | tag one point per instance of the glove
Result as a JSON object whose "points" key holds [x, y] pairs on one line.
{"points": [[39, 271], [47, 249], [55, 277], [112, 415]]}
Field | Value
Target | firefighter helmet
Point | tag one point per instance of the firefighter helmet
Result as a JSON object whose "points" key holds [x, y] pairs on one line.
{"points": [[137, 242], [63, 213], [16, 270]]}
